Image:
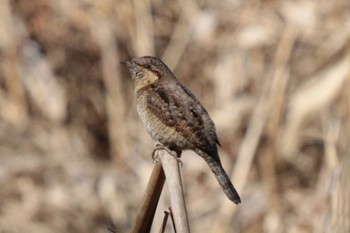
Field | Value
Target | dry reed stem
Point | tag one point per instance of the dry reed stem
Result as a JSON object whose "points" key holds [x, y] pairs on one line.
{"points": [[276, 99], [16, 110], [41, 84], [148, 207], [340, 199], [310, 99], [181, 34], [143, 40], [167, 213], [176, 194], [104, 34]]}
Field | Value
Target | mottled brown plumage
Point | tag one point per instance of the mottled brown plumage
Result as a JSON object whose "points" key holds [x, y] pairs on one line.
{"points": [[174, 117]]}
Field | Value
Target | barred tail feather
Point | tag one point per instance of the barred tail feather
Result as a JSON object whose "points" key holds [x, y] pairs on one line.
{"points": [[221, 176]]}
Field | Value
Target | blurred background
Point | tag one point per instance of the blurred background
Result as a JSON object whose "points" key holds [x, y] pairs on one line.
{"points": [[274, 76]]}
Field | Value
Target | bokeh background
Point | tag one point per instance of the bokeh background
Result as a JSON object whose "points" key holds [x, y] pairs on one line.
{"points": [[274, 76]]}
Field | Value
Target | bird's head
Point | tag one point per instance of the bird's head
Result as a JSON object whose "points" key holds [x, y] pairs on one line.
{"points": [[146, 70]]}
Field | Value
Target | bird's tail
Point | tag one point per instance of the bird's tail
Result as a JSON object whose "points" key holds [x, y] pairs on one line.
{"points": [[221, 176]]}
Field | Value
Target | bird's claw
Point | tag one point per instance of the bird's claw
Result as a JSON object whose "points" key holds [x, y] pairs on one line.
{"points": [[155, 156], [174, 154]]}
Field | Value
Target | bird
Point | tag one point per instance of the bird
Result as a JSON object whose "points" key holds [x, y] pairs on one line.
{"points": [[174, 117]]}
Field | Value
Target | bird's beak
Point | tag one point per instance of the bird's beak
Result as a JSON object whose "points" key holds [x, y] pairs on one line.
{"points": [[132, 67]]}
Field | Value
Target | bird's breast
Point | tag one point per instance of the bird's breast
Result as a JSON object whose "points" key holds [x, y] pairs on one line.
{"points": [[158, 130]]}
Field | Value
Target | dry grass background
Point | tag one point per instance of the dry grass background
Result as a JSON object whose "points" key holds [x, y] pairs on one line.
{"points": [[274, 75]]}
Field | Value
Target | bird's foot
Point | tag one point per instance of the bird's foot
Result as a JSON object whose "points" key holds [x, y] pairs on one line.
{"points": [[155, 156], [174, 154]]}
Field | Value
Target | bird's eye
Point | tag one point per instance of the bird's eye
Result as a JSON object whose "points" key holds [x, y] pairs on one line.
{"points": [[148, 66], [157, 72]]}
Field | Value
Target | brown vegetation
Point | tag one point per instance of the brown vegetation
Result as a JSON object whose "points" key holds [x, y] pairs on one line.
{"points": [[274, 75]]}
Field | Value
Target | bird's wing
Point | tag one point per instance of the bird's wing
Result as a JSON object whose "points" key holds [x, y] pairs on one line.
{"points": [[184, 113]]}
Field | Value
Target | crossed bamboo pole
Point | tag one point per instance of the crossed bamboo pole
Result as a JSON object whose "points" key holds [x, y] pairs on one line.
{"points": [[167, 169]]}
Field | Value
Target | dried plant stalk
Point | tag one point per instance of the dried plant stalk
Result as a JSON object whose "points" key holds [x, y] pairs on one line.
{"points": [[147, 210], [177, 199]]}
